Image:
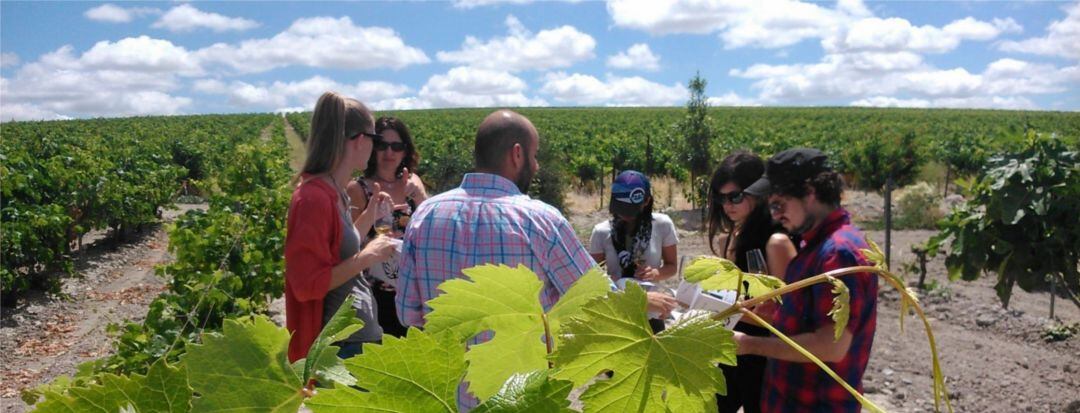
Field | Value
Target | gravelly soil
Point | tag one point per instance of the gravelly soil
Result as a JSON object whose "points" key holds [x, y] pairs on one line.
{"points": [[994, 359]]}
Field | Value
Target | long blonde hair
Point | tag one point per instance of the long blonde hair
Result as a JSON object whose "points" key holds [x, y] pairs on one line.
{"points": [[336, 118]]}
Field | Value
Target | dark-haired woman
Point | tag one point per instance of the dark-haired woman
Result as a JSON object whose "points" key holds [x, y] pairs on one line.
{"points": [[389, 171], [738, 223], [636, 242], [323, 254]]}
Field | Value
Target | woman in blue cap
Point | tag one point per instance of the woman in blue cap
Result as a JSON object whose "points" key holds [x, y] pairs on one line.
{"points": [[636, 242]]}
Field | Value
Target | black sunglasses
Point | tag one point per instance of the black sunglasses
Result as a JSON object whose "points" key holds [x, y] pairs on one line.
{"points": [[734, 198], [394, 146], [373, 136]]}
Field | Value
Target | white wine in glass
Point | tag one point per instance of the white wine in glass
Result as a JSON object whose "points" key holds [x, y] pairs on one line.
{"points": [[384, 224]]}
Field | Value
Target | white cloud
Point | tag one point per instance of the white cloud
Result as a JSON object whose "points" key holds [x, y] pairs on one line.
{"points": [[132, 76], [186, 18], [638, 56], [476, 87], [9, 59], [469, 4], [1004, 83], [302, 93], [111, 13], [1062, 38], [731, 99], [580, 89], [767, 23], [318, 42], [991, 102], [521, 50], [141, 54], [896, 34]]}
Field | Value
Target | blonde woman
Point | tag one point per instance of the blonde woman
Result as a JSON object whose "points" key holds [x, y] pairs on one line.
{"points": [[323, 257]]}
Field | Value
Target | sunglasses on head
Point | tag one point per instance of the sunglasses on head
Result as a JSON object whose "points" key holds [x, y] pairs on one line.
{"points": [[733, 198], [373, 136], [394, 146]]}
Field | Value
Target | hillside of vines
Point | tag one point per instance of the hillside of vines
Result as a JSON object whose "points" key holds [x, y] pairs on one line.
{"points": [[592, 141]]}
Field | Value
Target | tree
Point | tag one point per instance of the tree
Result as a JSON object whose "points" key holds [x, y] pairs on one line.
{"points": [[880, 162], [697, 133], [1020, 221]]}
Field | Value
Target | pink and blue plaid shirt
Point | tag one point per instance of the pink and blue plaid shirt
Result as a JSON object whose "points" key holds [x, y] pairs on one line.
{"points": [[486, 220]]}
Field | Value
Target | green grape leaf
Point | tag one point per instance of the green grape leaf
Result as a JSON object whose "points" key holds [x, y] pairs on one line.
{"points": [[507, 301], [714, 273], [535, 392], [675, 369], [594, 284], [419, 373], [874, 254], [705, 267], [841, 309], [327, 366], [244, 368], [162, 389]]}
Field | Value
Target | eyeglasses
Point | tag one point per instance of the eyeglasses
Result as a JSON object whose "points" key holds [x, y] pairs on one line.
{"points": [[394, 146], [373, 136], [734, 198], [776, 207]]}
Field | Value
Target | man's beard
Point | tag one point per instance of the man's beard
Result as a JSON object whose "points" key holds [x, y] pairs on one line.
{"points": [[524, 178], [810, 219]]}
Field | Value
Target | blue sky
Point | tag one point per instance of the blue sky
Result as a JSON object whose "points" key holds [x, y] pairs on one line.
{"points": [[86, 59]]}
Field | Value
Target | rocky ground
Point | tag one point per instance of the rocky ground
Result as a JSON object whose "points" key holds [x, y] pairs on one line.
{"points": [[995, 360]]}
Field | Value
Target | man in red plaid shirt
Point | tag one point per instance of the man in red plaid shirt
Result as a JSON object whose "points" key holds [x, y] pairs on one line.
{"points": [[804, 197]]}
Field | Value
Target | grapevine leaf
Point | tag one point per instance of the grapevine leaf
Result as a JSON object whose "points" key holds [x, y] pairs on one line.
{"points": [[419, 373], [327, 366], [595, 283], [874, 254], [244, 368], [500, 299], [535, 392], [714, 273], [703, 268], [676, 368], [162, 389], [841, 309]]}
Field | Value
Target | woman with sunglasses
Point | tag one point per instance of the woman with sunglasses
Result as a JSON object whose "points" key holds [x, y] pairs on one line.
{"points": [[389, 170], [740, 222], [323, 254]]}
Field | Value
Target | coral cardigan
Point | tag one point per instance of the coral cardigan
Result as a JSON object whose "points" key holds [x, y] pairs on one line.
{"points": [[312, 246]]}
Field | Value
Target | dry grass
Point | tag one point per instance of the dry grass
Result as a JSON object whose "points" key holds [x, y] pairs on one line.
{"points": [[667, 194]]}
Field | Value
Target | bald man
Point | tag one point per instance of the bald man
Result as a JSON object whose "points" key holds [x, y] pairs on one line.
{"points": [[489, 220]]}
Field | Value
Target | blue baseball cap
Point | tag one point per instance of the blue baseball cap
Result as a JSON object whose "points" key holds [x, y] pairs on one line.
{"points": [[629, 192]]}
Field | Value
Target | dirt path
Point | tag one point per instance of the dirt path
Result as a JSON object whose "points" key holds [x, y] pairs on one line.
{"points": [[297, 153], [48, 336]]}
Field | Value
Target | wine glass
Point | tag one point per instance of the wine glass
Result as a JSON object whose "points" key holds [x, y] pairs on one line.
{"points": [[384, 223], [755, 264]]}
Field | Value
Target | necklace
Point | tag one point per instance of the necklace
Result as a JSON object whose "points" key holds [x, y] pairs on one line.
{"points": [[389, 184]]}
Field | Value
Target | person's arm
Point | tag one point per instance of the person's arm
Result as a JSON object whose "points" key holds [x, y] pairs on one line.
{"points": [[819, 342], [359, 204], [408, 299], [415, 188], [669, 252], [596, 247], [309, 263], [779, 251]]}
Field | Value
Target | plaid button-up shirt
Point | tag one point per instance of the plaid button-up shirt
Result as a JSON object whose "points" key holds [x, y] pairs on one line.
{"points": [[803, 387], [486, 220]]}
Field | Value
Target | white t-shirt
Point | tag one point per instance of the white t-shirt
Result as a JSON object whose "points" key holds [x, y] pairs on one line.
{"points": [[663, 235]]}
